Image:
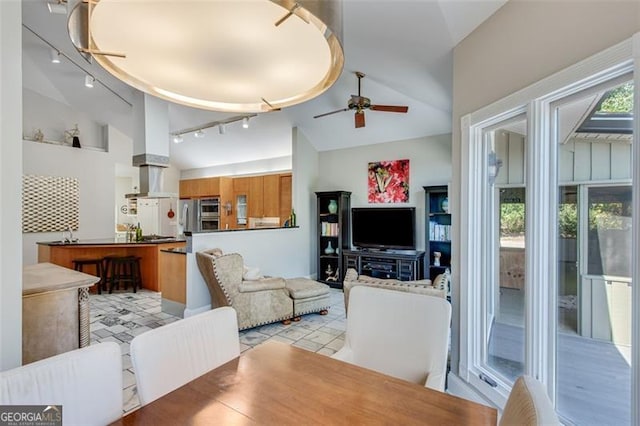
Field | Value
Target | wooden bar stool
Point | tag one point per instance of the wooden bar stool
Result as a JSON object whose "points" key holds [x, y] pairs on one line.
{"points": [[79, 264], [123, 270]]}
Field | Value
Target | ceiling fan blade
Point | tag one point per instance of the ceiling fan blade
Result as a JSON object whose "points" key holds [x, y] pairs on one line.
{"points": [[359, 119], [389, 108], [332, 112]]}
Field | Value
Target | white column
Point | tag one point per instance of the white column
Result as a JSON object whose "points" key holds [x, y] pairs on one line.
{"points": [[10, 184]]}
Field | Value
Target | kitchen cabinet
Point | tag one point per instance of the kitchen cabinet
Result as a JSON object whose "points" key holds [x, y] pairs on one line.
{"points": [[226, 203], [200, 188], [244, 197], [271, 196], [255, 201], [264, 196], [286, 200], [240, 202]]}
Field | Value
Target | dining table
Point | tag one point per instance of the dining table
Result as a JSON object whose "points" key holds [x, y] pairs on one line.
{"points": [[278, 384]]}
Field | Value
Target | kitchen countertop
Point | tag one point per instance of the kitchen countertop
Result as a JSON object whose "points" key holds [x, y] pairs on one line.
{"points": [[175, 250], [47, 277], [110, 241]]}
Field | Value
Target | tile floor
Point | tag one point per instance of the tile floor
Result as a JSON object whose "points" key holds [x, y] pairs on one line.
{"points": [[121, 316]]}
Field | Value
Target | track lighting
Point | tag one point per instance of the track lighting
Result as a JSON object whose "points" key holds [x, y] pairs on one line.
{"points": [[88, 81], [198, 131], [59, 7], [55, 56]]}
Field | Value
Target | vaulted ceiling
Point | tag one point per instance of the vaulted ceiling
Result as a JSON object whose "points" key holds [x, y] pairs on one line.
{"points": [[403, 47]]}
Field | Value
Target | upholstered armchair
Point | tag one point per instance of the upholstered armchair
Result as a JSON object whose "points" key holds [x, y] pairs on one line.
{"points": [[351, 280], [257, 302]]}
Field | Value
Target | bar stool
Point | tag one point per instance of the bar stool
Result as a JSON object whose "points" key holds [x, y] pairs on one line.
{"points": [[123, 270], [79, 264]]}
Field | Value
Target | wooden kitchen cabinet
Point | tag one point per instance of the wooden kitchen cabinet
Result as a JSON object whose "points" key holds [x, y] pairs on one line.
{"points": [[227, 216], [264, 196], [200, 188], [255, 201], [286, 201], [271, 196]]}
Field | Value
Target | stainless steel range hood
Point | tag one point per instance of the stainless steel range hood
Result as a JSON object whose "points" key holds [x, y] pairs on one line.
{"points": [[151, 183], [151, 145]]}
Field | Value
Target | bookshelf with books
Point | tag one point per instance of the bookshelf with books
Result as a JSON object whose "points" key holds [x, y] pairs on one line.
{"points": [[333, 218], [438, 231]]}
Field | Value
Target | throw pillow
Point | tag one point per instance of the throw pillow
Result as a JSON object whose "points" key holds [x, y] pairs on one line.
{"points": [[251, 274]]}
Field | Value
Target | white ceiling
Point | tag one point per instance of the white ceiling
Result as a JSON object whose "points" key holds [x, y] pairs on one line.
{"points": [[403, 47]]}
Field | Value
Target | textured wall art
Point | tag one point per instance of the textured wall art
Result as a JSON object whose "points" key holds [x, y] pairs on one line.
{"points": [[389, 181], [50, 203]]}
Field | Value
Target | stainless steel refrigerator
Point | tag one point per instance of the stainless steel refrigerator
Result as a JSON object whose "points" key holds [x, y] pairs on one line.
{"points": [[189, 219], [199, 215]]}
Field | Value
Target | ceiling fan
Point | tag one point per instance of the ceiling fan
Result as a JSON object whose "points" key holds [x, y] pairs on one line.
{"points": [[360, 103]]}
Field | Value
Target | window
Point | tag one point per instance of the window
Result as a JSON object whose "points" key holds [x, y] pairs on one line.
{"points": [[569, 188]]}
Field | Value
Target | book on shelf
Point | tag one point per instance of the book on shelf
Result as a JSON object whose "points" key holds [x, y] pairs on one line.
{"points": [[329, 229], [439, 232]]}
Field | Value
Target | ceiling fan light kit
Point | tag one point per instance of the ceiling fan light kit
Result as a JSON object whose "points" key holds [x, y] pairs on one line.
{"points": [[359, 103], [189, 54]]}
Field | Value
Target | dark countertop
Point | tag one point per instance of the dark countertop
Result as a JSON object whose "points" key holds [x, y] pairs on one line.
{"points": [[175, 250], [111, 241]]}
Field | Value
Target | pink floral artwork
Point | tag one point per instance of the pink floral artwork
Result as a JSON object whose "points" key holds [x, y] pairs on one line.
{"points": [[389, 181]]}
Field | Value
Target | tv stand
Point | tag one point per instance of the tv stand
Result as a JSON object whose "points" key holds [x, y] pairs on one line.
{"points": [[404, 265]]}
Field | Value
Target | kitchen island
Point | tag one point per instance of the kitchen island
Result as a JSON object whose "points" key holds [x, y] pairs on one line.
{"points": [[63, 254]]}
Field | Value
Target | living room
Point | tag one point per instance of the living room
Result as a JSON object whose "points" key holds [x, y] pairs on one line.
{"points": [[513, 35]]}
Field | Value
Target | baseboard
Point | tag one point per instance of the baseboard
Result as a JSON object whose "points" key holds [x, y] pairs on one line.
{"points": [[173, 308], [191, 312]]}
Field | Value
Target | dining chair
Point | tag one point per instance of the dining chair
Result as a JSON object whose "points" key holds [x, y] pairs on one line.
{"points": [[404, 335], [170, 356], [86, 382], [528, 405]]}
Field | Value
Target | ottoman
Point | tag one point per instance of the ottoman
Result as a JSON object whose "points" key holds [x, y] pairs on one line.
{"points": [[308, 296]]}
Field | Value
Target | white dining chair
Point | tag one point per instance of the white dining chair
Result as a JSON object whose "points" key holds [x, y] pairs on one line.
{"points": [[528, 405], [87, 383], [170, 356], [404, 335]]}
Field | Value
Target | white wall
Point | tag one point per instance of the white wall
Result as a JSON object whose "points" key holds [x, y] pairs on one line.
{"points": [[95, 171], [38, 115], [305, 178], [429, 164], [10, 184], [269, 165]]}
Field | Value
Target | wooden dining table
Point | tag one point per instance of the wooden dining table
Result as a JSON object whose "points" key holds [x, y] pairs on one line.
{"points": [[278, 384]]}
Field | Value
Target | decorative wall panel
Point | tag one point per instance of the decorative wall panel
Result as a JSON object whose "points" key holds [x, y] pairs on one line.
{"points": [[50, 203]]}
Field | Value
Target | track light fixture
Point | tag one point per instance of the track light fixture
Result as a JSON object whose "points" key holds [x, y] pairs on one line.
{"points": [[198, 131], [59, 7], [55, 56], [88, 81], [178, 139]]}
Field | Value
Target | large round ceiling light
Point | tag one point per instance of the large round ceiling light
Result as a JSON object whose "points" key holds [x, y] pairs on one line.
{"points": [[224, 55]]}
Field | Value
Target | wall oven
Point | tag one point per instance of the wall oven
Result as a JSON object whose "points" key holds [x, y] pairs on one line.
{"points": [[209, 214]]}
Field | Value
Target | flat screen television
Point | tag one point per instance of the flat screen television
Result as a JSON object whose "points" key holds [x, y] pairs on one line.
{"points": [[383, 228]]}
